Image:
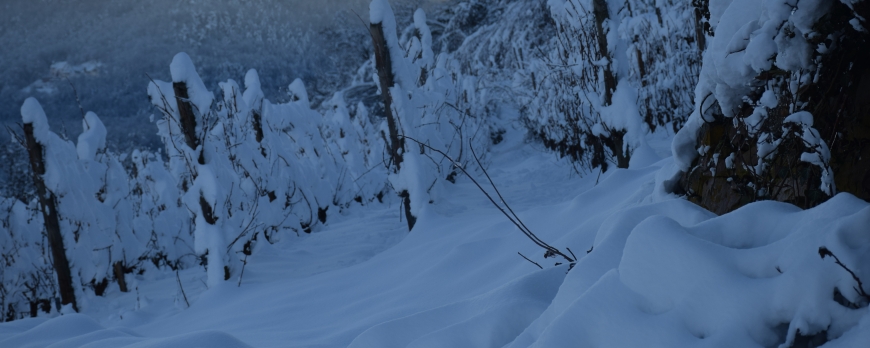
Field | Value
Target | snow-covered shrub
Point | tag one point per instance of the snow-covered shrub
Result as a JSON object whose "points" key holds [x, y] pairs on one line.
{"points": [[158, 214], [576, 108], [422, 95], [113, 192], [15, 180], [492, 44], [777, 112], [358, 143], [27, 280], [251, 170], [665, 45], [591, 77], [85, 204]]}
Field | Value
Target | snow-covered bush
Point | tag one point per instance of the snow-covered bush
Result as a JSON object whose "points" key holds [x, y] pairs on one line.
{"points": [[85, 210], [27, 280], [158, 214], [422, 96], [251, 170], [15, 180], [613, 72], [665, 45], [588, 84], [776, 108]]}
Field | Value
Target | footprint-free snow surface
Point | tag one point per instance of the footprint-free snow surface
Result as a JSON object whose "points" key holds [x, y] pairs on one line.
{"points": [[654, 271]]}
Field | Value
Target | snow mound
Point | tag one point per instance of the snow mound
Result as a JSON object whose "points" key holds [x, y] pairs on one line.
{"points": [[78, 330], [752, 278]]}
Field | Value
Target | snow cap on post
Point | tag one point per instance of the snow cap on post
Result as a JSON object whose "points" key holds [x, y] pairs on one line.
{"points": [[426, 39], [253, 95], [182, 70], [32, 113], [93, 137], [297, 92], [381, 13]]}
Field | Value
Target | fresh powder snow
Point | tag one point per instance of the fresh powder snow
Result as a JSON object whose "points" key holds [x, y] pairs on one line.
{"points": [[266, 221]]}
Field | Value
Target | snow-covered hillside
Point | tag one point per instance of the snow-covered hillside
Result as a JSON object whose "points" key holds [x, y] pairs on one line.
{"points": [[488, 173], [653, 270]]}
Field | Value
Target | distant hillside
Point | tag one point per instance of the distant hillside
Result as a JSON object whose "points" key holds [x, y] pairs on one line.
{"points": [[106, 48]]}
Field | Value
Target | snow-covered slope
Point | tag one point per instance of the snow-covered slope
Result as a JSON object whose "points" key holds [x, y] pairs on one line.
{"points": [[653, 270]]}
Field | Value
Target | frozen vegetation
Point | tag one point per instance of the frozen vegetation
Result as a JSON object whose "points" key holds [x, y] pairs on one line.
{"points": [[484, 173]]}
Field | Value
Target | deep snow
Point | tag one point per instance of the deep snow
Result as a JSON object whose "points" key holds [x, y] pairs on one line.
{"points": [[660, 271]]}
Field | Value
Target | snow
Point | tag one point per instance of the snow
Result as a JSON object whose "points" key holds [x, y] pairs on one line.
{"points": [[661, 271], [379, 10], [652, 268], [623, 114], [298, 93], [253, 95], [182, 70], [92, 139], [801, 117], [427, 56], [32, 113]]}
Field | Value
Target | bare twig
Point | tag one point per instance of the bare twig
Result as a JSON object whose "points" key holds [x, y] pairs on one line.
{"points": [[529, 231], [242, 274], [179, 285], [527, 259], [823, 251], [551, 251], [572, 253], [76, 94]]}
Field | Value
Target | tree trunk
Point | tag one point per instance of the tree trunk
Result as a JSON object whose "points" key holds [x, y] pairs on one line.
{"points": [[387, 80], [48, 206]]}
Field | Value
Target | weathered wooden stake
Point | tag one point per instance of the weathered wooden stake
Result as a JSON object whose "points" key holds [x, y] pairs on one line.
{"points": [[188, 127], [601, 15], [118, 269], [387, 80], [48, 206]]}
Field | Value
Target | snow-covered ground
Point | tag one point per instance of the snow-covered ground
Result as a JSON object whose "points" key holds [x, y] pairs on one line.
{"points": [[653, 270]]}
